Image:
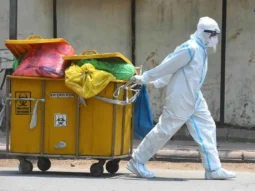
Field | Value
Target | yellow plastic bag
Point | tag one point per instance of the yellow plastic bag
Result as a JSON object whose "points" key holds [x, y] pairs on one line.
{"points": [[86, 81]]}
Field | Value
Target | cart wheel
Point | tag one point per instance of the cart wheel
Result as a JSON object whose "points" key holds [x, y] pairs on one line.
{"points": [[43, 164], [25, 167], [112, 166], [96, 169]]}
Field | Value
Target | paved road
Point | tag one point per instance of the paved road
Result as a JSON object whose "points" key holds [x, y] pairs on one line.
{"points": [[76, 180]]}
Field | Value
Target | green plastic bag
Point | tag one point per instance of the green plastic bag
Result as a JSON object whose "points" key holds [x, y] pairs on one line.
{"points": [[17, 62], [120, 70]]}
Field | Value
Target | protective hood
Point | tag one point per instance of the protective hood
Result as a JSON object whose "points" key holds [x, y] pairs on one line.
{"points": [[206, 33]]}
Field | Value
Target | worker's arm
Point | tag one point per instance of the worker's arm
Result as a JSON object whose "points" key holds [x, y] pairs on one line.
{"points": [[162, 82], [169, 65]]}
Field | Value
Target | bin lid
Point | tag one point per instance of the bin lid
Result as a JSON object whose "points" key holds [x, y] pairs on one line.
{"points": [[19, 47], [108, 57]]}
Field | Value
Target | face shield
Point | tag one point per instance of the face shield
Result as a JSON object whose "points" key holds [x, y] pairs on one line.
{"points": [[212, 39]]}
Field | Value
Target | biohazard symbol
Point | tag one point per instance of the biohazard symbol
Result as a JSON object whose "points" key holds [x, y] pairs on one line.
{"points": [[22, 102], [60, 121], [22, 107]]}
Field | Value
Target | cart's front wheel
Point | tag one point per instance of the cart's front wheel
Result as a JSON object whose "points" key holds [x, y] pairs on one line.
{"points": [[97, 169], [43, 164], [112, 166], [25, 167]]}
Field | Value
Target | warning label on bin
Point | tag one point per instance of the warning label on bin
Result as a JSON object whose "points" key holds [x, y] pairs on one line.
{"points": [[60, 120], [23, 107], [62, 95]]}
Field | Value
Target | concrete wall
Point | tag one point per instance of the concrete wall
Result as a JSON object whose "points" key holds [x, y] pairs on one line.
{"points": [[100, 25], [4, 34], [240, 66], [161, 26], [35, 18], [4, 23]]}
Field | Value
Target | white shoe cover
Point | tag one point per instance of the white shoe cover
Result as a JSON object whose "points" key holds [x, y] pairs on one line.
{"points": [[219, 174], [139, 169]]}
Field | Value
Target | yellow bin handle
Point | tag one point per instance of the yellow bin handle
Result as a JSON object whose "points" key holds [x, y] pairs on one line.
{"points": [[91, 51], [34, 37]]}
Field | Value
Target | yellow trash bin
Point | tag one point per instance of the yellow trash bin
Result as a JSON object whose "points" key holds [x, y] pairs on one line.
{"points": [[105, 128], [50, 120]]}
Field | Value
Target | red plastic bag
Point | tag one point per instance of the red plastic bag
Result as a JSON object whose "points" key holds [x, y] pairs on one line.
{"points": [[45, 60]]}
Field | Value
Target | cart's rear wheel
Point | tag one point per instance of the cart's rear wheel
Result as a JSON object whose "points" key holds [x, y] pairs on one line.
{"points": [[43, 164], [25, 167], [97, 169], [112, 166]]}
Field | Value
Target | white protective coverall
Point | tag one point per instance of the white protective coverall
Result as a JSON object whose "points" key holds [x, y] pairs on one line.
{"points": [[183, 72]]}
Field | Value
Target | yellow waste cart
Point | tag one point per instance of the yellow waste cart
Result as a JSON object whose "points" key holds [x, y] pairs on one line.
{"points": [[64, 126]]}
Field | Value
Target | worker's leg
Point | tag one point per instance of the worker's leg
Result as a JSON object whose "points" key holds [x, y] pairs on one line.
{"points": [[203, 130], [167, 126]]}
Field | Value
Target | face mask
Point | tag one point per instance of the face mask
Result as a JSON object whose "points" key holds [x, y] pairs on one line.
{"points": [[212, 43]]}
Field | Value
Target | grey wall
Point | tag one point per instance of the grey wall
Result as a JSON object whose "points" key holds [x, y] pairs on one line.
{"points": [[161, 26], [105, 25], [4, 34], [240, 66], [4, 23], [100, 25], [35, 18]]}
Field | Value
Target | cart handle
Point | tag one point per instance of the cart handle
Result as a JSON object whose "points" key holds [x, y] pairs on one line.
{"points": [[91, 51], [34, 37], [127, 86], [118, 102], [140, 69]]}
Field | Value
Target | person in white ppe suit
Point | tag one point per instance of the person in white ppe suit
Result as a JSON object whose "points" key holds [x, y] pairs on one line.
{"points": [[183, 72]]}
